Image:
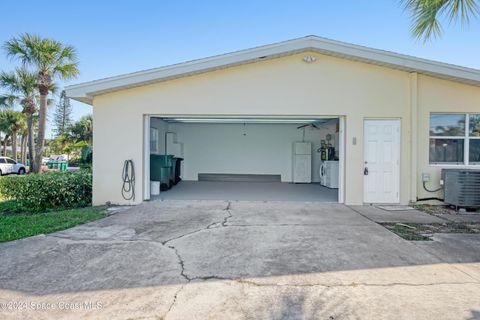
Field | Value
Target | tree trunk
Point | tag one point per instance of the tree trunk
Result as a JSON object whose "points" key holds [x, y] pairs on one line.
{"points": [[31, 142], [42, 122], [14, 145], [5, 145], [22, 149], [24, 159]]}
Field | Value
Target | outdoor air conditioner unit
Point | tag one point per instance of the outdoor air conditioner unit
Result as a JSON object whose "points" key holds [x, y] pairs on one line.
{"points": [[461, 187]]}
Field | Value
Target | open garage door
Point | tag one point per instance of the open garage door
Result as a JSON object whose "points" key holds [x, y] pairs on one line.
{"points": [[244, 158]]}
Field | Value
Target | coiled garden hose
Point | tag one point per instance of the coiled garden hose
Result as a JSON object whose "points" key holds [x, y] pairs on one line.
{"points": [[430, 190], [128, 177]]}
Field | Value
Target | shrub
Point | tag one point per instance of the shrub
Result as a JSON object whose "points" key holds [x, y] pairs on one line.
{"points": [[74, 162], [41, 192]]}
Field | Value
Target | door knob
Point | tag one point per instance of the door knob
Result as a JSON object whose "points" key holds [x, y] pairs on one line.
{"points": [[365, 171]]}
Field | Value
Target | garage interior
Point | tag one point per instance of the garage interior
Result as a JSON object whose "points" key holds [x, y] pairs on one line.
{"points": [[269, 159]]}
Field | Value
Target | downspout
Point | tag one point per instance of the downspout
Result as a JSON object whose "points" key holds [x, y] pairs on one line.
{"points": [[413, 135]]}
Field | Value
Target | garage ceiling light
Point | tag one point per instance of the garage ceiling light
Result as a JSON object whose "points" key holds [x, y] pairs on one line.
{"points": [[243, 120]]}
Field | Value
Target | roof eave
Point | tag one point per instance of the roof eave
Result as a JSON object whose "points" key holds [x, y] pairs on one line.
{"points": [[86, 91]]}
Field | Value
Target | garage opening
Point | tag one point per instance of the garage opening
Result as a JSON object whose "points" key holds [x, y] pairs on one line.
{"points": [[261, 158]]}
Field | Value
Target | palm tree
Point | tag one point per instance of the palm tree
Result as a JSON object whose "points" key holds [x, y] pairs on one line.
{"points": [[426, 13], [16, 122], [51, 60], [5, 128], [82, 130], [23, 140], [22, 88], [11, 122]]}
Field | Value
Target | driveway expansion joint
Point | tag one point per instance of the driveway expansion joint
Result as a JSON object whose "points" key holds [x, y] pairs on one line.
{"points": [[353, 284], [209, 278], [189, 233], [280, 225]]}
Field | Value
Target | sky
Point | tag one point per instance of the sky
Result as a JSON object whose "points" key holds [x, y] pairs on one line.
{"points": [[117, 37]]}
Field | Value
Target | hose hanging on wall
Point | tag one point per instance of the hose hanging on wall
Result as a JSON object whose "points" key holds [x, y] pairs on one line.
{"points": [[128, 177]]}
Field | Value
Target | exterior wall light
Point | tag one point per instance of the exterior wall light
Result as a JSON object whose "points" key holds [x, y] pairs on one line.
{"points": [[309, 59]]}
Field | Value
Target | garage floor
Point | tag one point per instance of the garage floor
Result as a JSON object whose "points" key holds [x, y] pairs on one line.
{"points": [[253, 191]]}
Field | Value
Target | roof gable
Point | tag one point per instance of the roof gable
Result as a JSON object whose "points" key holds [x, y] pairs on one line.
{"points": [[86, 91]]}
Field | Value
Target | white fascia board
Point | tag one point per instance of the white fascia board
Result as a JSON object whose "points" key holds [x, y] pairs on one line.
{"points": [[86, 91], [397, 61]]}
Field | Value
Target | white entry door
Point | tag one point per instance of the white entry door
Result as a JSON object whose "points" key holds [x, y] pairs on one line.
{"points": [[382, 161]]}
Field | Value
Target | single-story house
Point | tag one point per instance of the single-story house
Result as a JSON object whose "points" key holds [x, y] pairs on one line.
{"points": [[387, 123]]}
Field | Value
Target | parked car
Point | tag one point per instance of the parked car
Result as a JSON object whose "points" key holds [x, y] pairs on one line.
{"points": [[9, 166]]}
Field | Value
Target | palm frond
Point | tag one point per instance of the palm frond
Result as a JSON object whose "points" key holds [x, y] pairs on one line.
{"points": [[14, 48], [21, 86], [50, 103], [463, 9], [39, 50], [8, 101], [426, 15], [28, 81], [53, 88], [48, 57], [21, 82], [66, 71], [67, 54], [10, 121], [10, 82]]}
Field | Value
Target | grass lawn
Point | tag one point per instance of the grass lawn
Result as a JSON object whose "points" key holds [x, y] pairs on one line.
{"points": [[424, 232], [20, 225]]}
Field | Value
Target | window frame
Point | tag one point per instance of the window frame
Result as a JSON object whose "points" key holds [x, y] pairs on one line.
{"points": [[469, 138], [154, 142], [466, 140]]}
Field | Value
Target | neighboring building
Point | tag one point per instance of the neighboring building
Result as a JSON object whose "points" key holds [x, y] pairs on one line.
{"points": [[390, 117]]}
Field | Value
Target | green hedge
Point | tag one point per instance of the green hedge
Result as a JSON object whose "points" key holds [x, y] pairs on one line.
{"points": [[41, 192]]}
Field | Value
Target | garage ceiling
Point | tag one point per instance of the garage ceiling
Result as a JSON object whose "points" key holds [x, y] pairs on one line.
{"points": [[248, 120]]}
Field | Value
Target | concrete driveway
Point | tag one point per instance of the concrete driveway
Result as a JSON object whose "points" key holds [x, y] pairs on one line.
{"points": [[235, 260]]}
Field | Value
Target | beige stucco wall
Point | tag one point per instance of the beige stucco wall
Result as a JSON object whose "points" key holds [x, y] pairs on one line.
{"points": [[283, 86], [436, 95]]}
